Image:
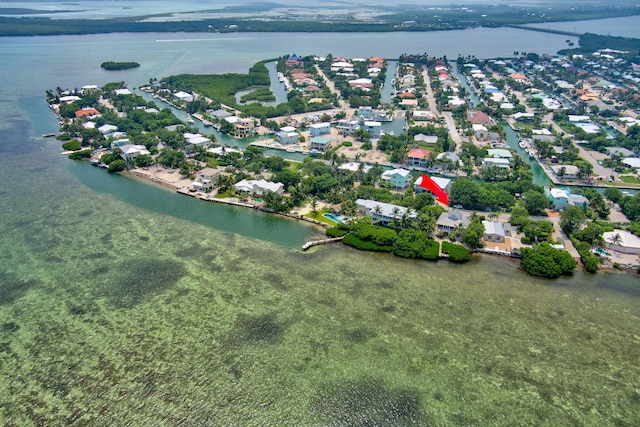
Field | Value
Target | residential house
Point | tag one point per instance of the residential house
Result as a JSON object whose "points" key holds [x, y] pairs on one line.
{"points": [[287, 135], [561, 199], [632, 162], [196, 140], [418, 157], [494, 231], [524, 117], [478, 118], [244, 127], [347, 127], [448, 221], [622, 241], [426, 139], [496, 162], [374, 128], [443, 184], [399, 178], [421, 115], [500, 153], [131, 151], [107, 128], [319, 129], [563, 172], [320, 143], [257, 187], [353, 167], [383, 213], [87, 112], [206, 179], [363, 83], [183, 96]]}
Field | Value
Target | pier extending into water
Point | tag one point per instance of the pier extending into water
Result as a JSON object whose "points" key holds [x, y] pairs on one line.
{"points": [[321, 242]]}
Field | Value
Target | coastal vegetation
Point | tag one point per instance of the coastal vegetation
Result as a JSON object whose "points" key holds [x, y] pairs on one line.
{"points": [[115, 66], [545, 261], [410, 231], [395, 19]]}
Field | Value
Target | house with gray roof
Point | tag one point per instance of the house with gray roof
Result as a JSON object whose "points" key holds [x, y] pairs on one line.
{"points": [[448, 221], [383, 213]]}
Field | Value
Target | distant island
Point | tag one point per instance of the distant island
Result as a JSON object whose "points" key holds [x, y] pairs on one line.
{"points": [[268, 17], [114, 66]]}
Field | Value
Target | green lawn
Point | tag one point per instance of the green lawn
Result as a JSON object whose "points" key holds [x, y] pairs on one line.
{"points": [[629, 179], [319, 217]]}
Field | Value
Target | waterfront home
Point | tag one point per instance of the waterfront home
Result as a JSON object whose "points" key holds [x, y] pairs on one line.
{"points": [[452, 156], [88, 89], [565, 172], [347, 127], [374, 128], [442, 183], [500, 153], [456, 101], [132, 151], [320, 143], [496, 162], [524, 117], [478, 118], [448, 221], [362, 83], [124, 91], [622, 241], [418, 157], [353, 167], [206, 179], [319, 129], [183, 96], [258, 187], [287, 135], [219, 113], [494, 231], [69, 99], [244, 127], [399, 178], [561, 199], [383, 213]]}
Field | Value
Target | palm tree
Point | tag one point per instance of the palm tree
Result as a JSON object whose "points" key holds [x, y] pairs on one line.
{"points": [[377, 211], [616, 239]]}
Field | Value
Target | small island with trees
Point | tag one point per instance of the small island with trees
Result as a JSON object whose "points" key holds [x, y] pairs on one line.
{"points": [[116, 66]]}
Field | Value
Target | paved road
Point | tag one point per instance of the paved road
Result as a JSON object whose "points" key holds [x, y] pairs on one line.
{"points": [[597, 168], [453, 132], [433, 107], [332, 87]]}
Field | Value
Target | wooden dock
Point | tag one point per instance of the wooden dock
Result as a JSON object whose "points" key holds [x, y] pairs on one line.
{"points": [[321, 242]]}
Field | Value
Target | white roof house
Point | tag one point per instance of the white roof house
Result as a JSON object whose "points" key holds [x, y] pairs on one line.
{"points": [[574, 118], [69, 99], [588, 127], [107, 128], [124, 91], [353, 167], [427, 139], [622, 241], [183, 96], [493, 231], [260, 186], [196, 139], [633, 162], [131, 151], [491, 161]]}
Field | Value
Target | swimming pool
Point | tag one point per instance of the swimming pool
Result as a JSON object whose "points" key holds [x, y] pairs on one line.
{"points": [[334, 216], [601, 252]]}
